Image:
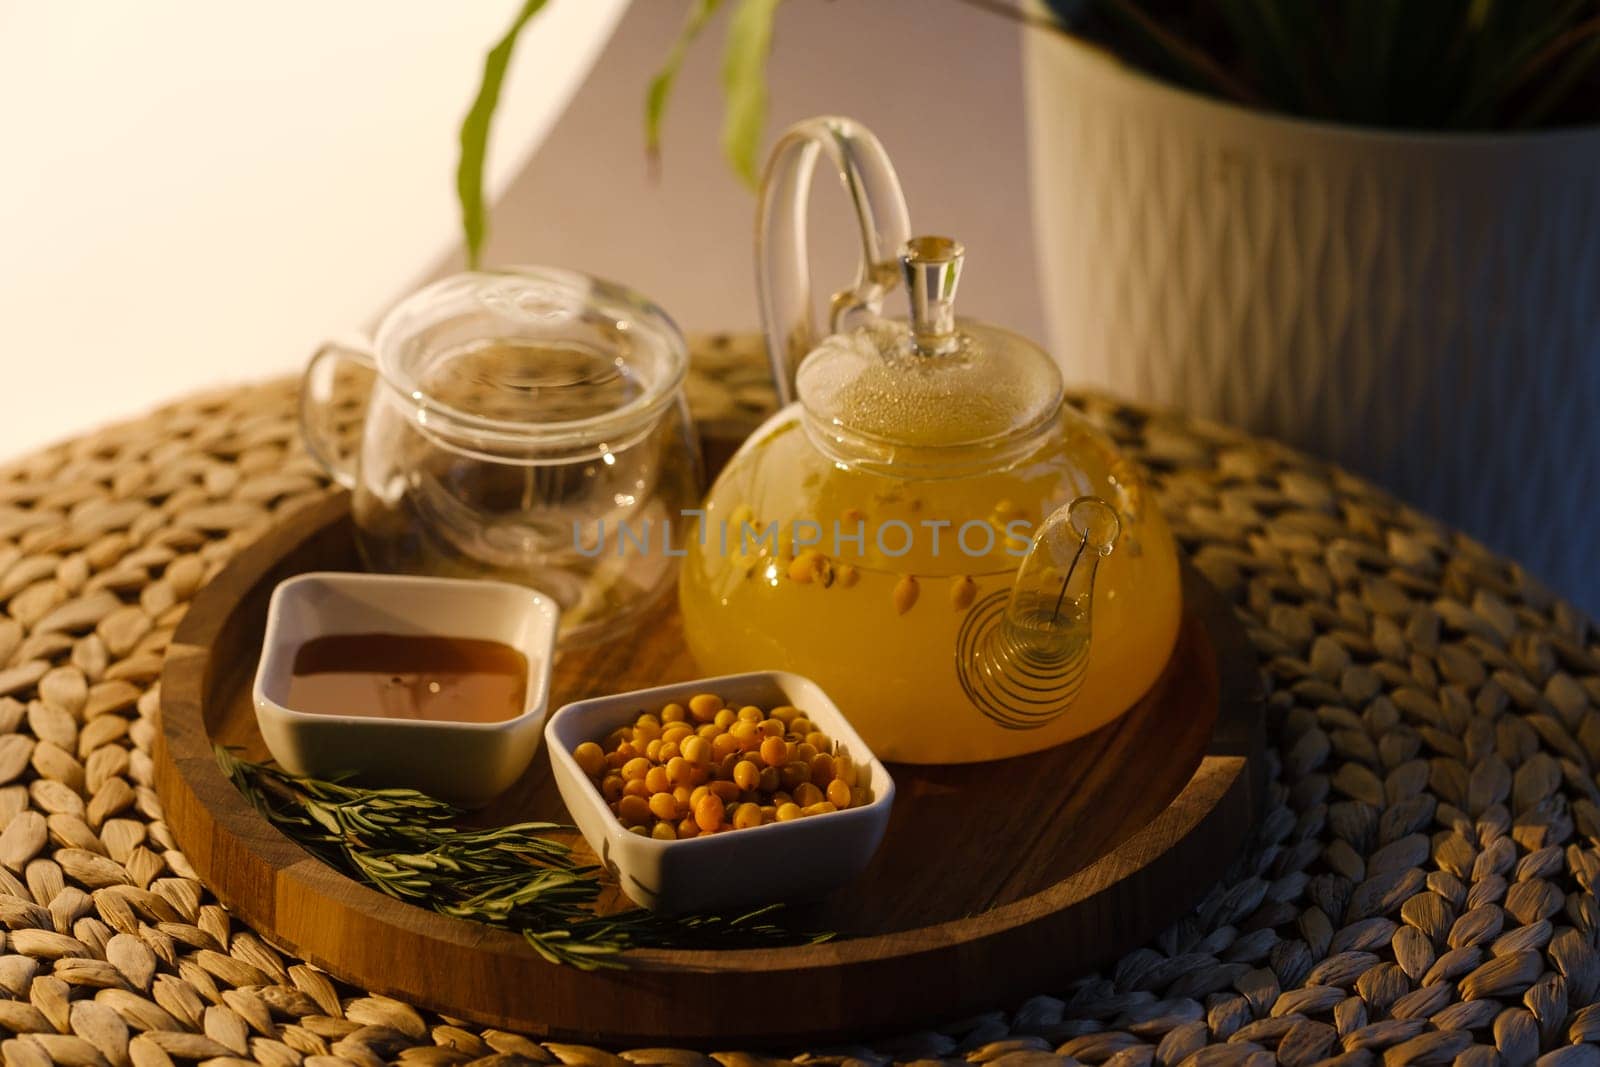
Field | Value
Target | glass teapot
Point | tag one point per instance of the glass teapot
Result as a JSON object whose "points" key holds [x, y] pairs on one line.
{"points": [[926, 529]]}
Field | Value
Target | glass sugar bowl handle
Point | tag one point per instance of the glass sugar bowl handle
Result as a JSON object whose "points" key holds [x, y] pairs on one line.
{"points": [[783, 272], [332, 407]]}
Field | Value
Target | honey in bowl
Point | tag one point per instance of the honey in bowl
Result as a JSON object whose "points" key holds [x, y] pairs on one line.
{"points": [[395, 676]]}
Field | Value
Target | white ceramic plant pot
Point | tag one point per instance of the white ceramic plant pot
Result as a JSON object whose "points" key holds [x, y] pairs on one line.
{"points": [[1423, 309]]}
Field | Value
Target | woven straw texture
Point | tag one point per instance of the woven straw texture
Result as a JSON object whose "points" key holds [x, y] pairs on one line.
{"points": [[1420, 889]]}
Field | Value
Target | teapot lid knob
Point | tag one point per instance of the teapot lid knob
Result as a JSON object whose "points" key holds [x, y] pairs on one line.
{"points": [[931, 267]]}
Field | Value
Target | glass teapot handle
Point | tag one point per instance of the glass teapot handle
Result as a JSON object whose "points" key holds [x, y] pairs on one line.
{"points": [[783, 270]]}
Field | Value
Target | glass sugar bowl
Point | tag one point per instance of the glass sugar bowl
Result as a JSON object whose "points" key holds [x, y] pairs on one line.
{"points": [[527, 425]]}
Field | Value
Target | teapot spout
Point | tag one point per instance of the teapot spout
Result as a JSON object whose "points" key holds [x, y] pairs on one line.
{"points": [[1022, 656]]}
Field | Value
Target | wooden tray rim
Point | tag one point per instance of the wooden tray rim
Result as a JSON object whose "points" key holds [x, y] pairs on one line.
{"points": [[186, 676]]}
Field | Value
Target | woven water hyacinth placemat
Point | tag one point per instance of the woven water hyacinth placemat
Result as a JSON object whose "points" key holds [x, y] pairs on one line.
{"points": [[1421, 887]]}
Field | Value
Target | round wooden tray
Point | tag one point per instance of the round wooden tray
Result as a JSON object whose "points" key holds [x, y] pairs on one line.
{"points": [[994, 880]]}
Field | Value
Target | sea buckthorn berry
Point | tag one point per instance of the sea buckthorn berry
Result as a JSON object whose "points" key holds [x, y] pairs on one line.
{"points": [[707, 768], [805, 567], [677, 769], [723, 746], [793, 774], [638, 828], [775, 752], [709, 812], [746, 775], [844, 768], [904, 595], [697, 750], [591, 759], [633, 810], [704, 706], [663, 806]]}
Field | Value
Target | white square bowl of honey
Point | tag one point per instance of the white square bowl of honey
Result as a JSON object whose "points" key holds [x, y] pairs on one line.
{"points": [[435, 684], [825, 824]]}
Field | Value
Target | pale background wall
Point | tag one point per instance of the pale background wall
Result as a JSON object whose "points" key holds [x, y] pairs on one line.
{"points": [[194, 193], [938, 81]]}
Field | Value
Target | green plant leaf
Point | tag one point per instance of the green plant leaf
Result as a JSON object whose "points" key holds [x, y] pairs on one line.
{"points": [[655, 103], [1177, 58], [1583, 45], [744, 83], [475, 133]]}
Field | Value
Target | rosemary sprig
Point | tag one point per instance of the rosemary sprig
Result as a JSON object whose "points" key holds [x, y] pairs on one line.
{"points": [[412, 847]]}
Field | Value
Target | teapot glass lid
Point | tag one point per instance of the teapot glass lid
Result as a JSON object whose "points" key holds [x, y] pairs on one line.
{"points": [[931, 390]]}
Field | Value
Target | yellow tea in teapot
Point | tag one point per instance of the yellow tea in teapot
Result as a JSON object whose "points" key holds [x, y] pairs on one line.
{"points": [[884, 631]]}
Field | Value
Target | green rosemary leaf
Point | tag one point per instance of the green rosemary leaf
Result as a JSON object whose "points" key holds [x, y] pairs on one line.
{"points": [[474, 135], [409, 846], [325, 817]]}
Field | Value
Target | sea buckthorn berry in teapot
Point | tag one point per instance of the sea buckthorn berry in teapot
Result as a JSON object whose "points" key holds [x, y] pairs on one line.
{"points": [[927, 529], [702, 769]]}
